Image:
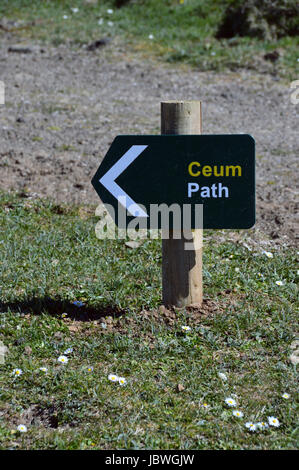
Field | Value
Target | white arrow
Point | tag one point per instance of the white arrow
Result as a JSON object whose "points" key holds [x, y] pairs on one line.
{"points": [[108, 180]]}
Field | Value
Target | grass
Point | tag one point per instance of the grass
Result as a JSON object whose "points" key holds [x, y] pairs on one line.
{"points": [[181, 32], [50, 257]]}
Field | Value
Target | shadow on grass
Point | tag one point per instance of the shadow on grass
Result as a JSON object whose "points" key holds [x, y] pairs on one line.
{"points": [[56, 307]]}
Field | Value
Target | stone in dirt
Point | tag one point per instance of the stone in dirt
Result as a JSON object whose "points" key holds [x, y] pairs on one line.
{"points": [[20, 49], [99, 43]]}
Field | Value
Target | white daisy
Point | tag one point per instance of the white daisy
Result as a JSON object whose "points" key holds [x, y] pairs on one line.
{"points": [[75, 10], [230, 402], [43, 369], [251, 426], [22, 428], [186, 328], [65, 17], [113, 377], [279, 283], [273, 421], [268, 254], [109, 12], [17, 372], [237, 270], [110, 23], [222, 376], [286, 396], [205, 406], [122, 381], [68, 351], [63, 359], [90, 369], [238, 414], [262, 425], [151, 36]]}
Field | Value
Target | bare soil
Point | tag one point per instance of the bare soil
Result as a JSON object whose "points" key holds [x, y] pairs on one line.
{"points": [[64, 106]]}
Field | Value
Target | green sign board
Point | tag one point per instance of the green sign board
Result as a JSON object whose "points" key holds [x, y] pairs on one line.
{"points": [[140, 173]]}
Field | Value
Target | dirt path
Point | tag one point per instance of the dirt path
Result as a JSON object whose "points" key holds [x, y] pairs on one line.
{"points": [[64, 107]]}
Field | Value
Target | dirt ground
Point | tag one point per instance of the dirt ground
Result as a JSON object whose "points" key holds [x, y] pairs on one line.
{"points": [[65, 106]]}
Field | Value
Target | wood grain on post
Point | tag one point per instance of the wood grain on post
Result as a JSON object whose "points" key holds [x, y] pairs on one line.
{"points": [[182, 269]]}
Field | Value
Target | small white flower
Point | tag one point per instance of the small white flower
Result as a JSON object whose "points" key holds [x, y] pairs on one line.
{"points": [[222, 376], [151, 36], [110, 23], [251, 426], [63, 359], [230, 402], [104, 326], [17, 372], [75, 10], [213, 53], [262, 425], [68, 351], [238, 414], [109, 12], [90, 369], [186, 328], [205, 406], [273, 421], [122, 381], [43, 369], [65, 17], [237, 270], [113, 377], [22, 428], [101, 21], [279, 283], [268, 254], [286, 396]]}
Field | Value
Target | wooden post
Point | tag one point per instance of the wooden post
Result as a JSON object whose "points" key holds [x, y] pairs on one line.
{"points": [[181, 269]]}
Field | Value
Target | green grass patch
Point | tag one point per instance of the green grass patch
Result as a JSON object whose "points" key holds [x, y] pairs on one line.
{"points": [[173, 31], [50, 257]]}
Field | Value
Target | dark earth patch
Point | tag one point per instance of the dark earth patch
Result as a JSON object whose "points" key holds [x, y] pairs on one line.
{"points": [[264, 19]]}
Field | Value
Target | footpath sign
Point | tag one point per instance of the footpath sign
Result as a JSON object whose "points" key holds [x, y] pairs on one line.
{"points": [[217, 171]]}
